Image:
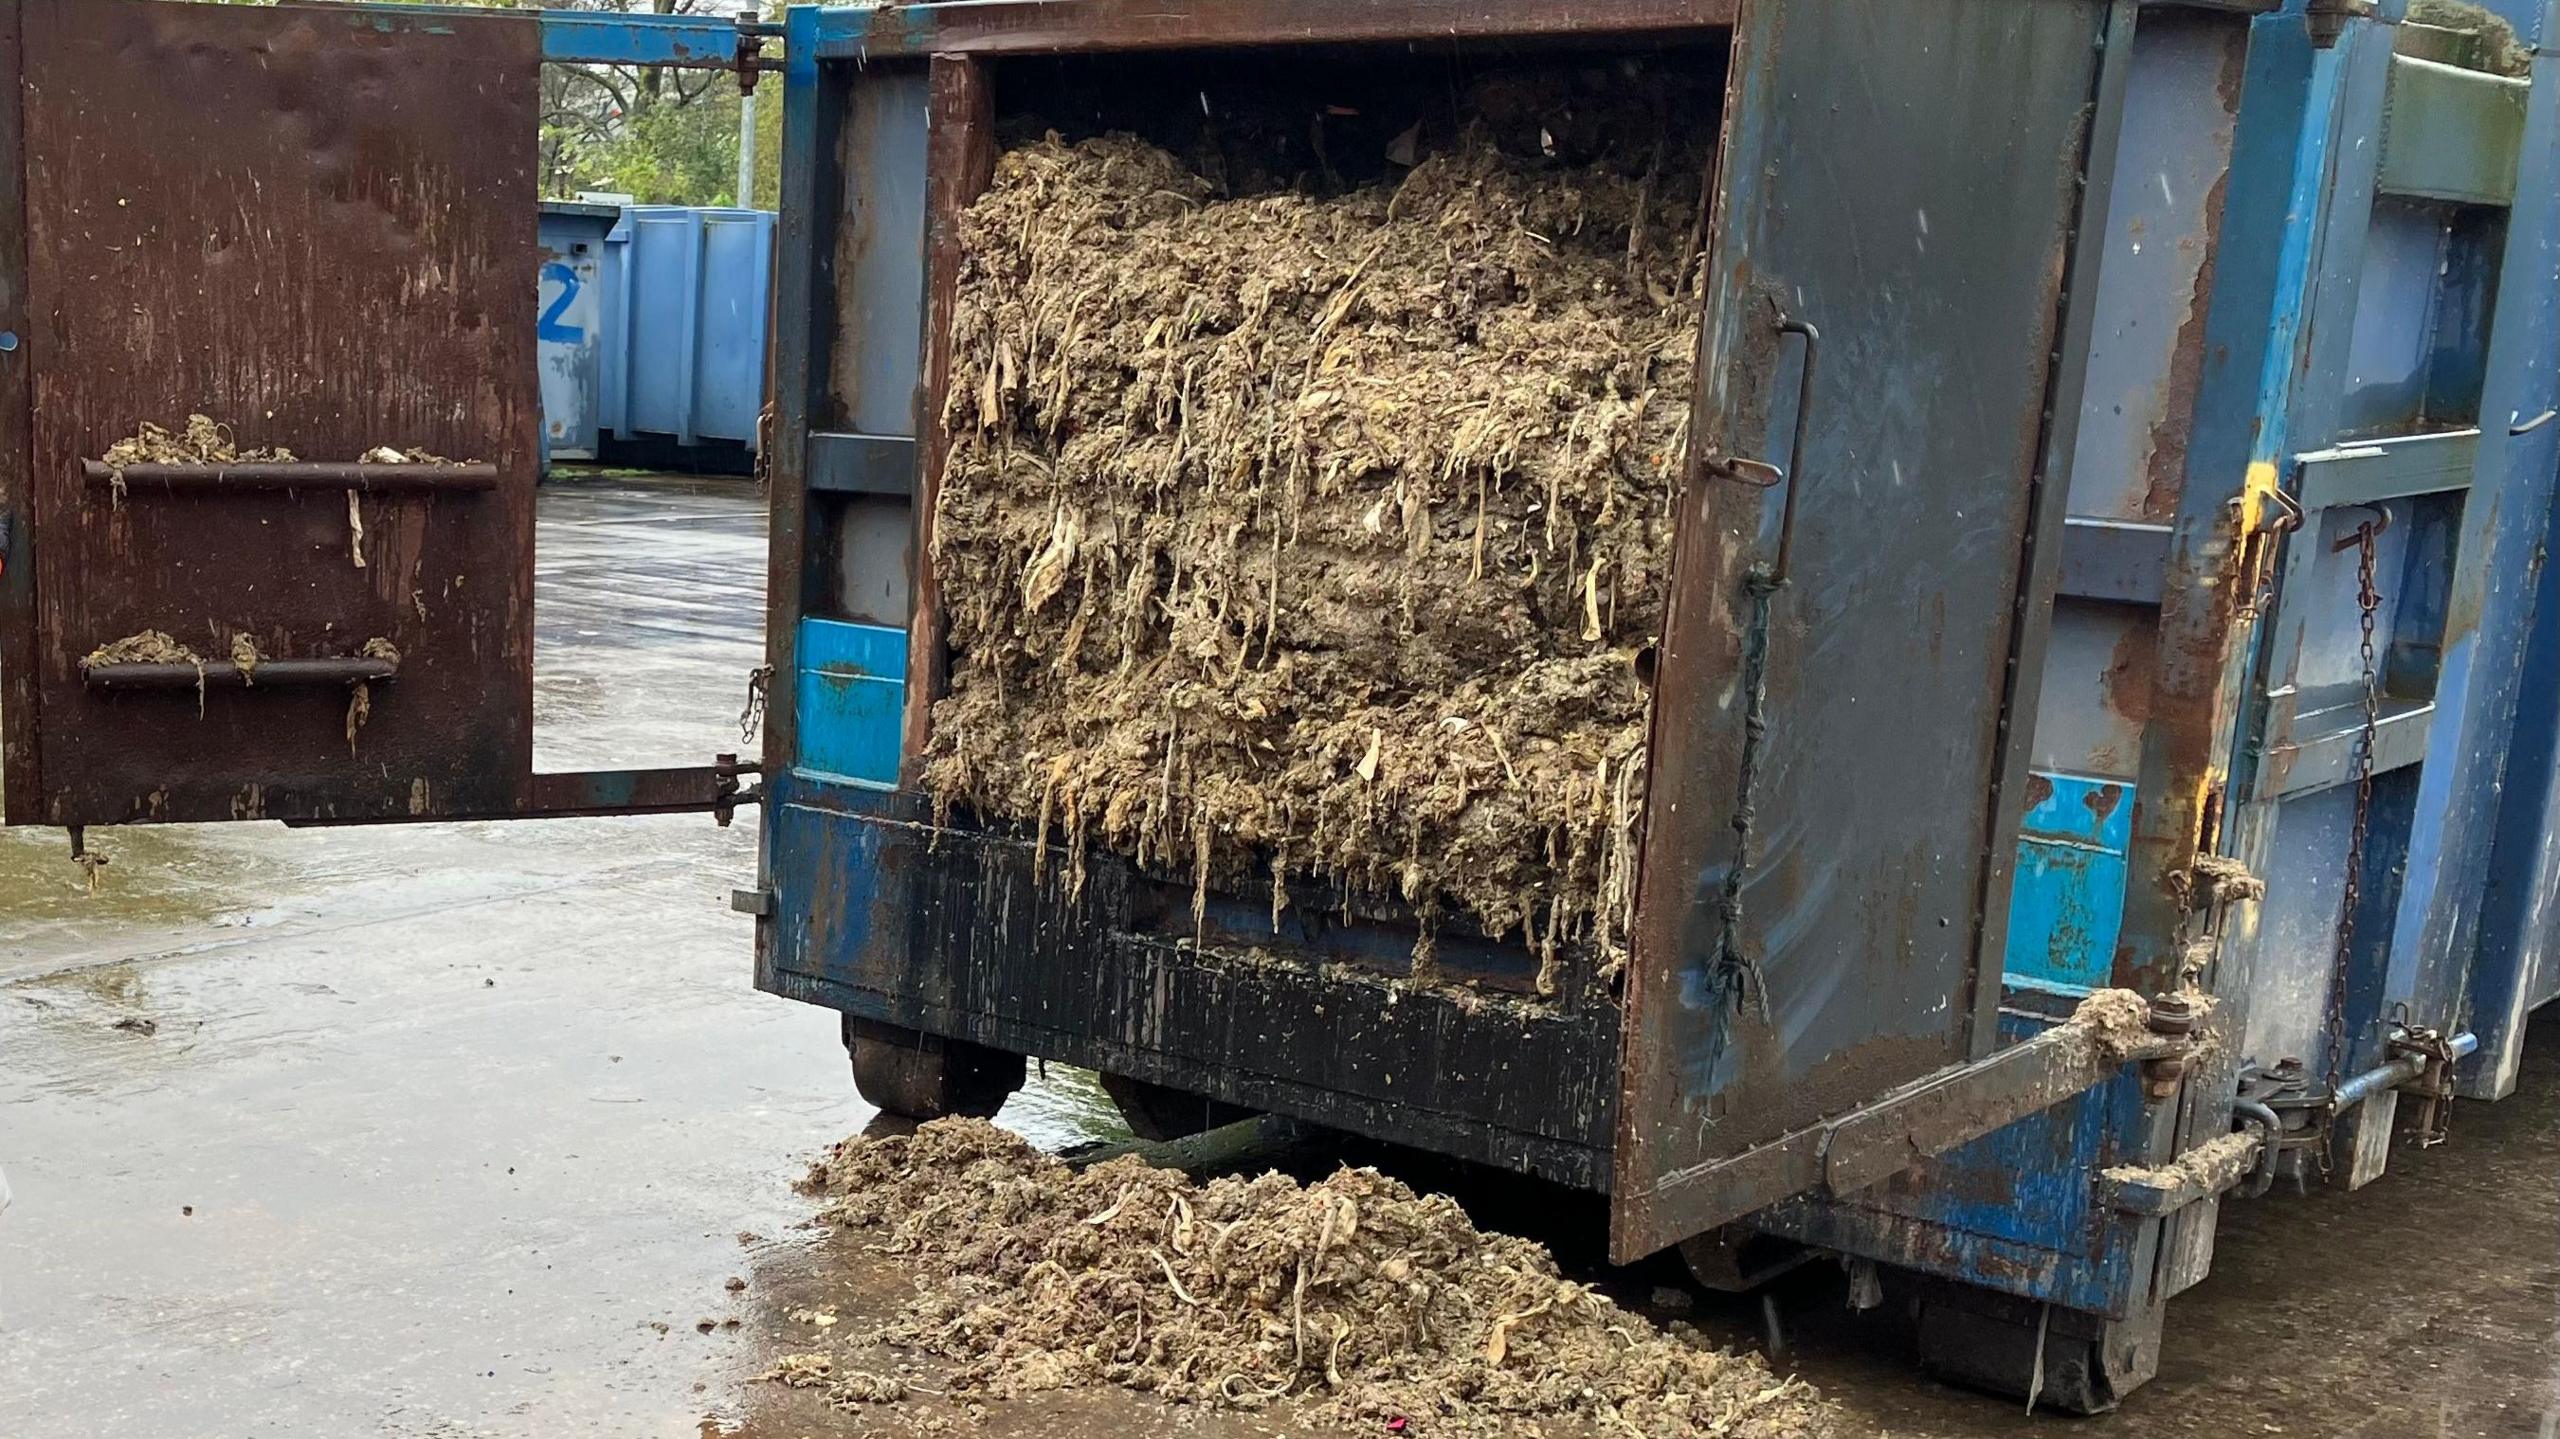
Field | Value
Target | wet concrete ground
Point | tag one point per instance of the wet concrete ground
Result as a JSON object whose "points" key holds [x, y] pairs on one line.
{"points": [[462, 1130]]}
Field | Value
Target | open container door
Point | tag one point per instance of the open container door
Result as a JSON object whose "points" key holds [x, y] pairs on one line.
{"points": [[1887, 299], [317, 227]]}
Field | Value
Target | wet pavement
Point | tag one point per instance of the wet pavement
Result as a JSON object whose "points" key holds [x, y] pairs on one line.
{"points": [[463, 1130], [425, 1130]]}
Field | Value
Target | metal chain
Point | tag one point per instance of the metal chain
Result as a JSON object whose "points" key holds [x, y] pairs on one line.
{"points": [[1734, 969], [758, 679], [2360, 764]]}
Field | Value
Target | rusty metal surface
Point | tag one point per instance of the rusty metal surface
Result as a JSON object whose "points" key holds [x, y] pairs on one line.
{"points": [[20, 784], [1052, 27], [273, 217], [1929, 243], [960, 157]]}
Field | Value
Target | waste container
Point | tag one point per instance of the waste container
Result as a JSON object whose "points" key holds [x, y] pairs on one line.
{"points": [[569, 336], [686, 292]]}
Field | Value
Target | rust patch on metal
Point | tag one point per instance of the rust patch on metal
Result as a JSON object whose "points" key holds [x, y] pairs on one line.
{"points": [[2125, 686], [2165, 472], [2039, 789]]}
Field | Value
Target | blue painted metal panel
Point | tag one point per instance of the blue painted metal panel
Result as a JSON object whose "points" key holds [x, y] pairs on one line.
{"points": [[2067, 901], [2017, 1210], [2513, 967], [573, 37], [851, 697], [568, 326], [686, 319], [2490, 607]]}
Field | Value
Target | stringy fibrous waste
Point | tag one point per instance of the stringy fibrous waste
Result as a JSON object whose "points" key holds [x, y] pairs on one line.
{"points": [[1352, 1301], [1286, 536], [146, 647], [200, 441]]}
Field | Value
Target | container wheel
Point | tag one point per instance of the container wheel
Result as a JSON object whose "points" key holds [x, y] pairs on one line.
{"points": [[1160, 1113], [923, 1076], [2070, 1361]]}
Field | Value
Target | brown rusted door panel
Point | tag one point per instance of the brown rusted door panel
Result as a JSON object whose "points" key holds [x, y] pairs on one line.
{"points": [[1904, 179], [316, 227]]}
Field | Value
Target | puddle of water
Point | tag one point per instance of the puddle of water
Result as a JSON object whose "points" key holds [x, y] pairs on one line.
{"points": [[1062, 1107], [153, 876]]}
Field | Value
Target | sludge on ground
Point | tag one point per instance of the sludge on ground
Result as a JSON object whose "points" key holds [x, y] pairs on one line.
{"points": [[1307, 535], [1352, 1304]]}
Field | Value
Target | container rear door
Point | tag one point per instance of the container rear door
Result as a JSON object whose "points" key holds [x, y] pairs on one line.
{"points": [[315, 228], [1904, 181]]}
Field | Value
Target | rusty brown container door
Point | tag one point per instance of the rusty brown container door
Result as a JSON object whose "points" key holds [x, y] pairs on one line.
{"points": [[316, 228], [1900, 189]]}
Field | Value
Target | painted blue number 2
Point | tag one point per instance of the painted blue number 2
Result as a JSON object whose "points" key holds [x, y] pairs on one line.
{"points": [[549, 329]]}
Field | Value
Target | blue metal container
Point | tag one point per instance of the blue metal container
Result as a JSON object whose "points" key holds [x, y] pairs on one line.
{"points": [[2305, 336], [2173, 392], [685, 321], [568, 329], [2290, 642]]}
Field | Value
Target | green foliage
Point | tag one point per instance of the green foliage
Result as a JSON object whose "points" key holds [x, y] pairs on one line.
{"points": [[681, 153]]}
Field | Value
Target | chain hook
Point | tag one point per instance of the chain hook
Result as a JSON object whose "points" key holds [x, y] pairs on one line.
{"points": [[2360, 766], [751, 718]]}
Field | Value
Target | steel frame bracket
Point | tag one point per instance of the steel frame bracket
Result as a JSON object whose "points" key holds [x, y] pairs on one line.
{"points": [[1927, 1117]]}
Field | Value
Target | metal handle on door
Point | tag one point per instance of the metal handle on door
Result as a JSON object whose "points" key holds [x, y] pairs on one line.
{"points": [[1762, 475], [1795, 445]]}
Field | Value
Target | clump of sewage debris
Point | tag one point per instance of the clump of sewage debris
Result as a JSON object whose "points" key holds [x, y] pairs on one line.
{"points": [[202, 440], [1352, 1301], [1294, 535]]}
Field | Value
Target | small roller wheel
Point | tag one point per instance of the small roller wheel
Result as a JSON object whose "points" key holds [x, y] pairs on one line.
{"points": [[923, 1076], [1160, 1113]]}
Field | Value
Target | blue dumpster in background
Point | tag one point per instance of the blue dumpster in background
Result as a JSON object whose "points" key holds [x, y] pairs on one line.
{"points": [[684, 316], [568, 334]]}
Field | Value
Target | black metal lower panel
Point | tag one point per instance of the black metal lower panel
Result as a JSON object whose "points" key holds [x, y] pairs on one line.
{"points": [[879, 914]]}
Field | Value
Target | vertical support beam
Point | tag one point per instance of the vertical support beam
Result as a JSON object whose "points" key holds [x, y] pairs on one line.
{"points": [[2040, 565], [2505, 755], [2259, 330], [746, 186], [960, 160], [21, 787], [2261, 276], [2300, 411], [800, 337]]}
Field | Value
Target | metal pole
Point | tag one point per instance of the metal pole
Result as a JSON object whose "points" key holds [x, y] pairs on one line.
{"points": [[747, 149]]}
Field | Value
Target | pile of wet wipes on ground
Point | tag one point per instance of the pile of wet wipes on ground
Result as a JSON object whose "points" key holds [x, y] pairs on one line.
{"points": [[1351, 1302]]}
